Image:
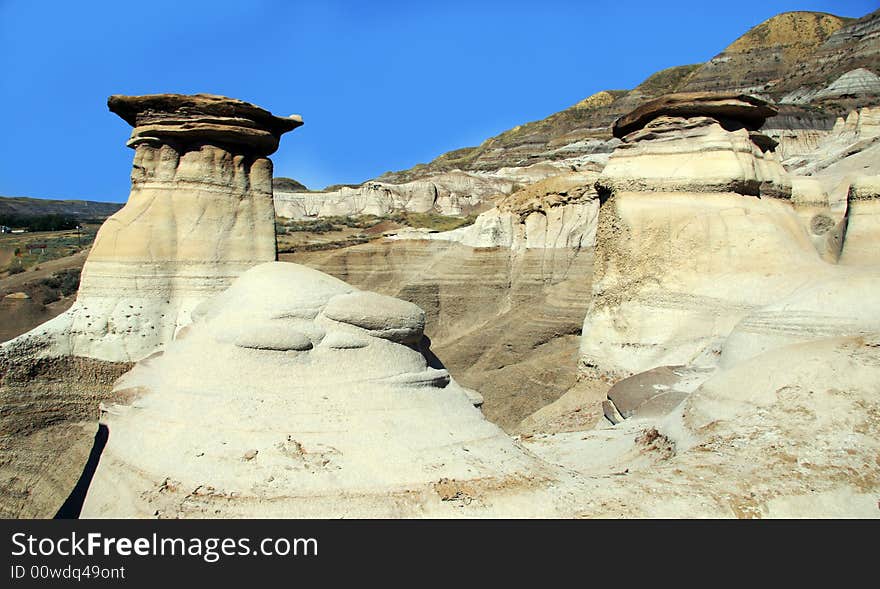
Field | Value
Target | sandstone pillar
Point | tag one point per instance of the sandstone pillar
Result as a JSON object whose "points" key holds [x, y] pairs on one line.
{"points": [[696, 229], [199, 214]]}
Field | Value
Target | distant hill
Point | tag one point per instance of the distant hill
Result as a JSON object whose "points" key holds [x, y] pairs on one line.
{"points": [[22, 206], [287, 184], [791, 55]]}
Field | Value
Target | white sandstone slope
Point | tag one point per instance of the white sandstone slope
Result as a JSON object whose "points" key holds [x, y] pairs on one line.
{"points": [[849, 150], [449, 193], [199, 214], [559, 212], [792, 432], [294, 394]]}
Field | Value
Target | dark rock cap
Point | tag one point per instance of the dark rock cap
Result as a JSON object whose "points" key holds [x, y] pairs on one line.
{"points": [[749, 110], [202, 118]]}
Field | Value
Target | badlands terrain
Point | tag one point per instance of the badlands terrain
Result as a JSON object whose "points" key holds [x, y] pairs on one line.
{"points": [[661, 302]]}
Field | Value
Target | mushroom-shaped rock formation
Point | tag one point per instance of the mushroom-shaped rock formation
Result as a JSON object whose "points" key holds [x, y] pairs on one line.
{"points": [[294, 394], [236, 125], [199, 214], [697, 142], [687, 245], [734, 110], [689, 250]]}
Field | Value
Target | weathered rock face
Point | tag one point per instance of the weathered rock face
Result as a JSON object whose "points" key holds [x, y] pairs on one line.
{"points": [[851, 148], [740, 110], [836, 302], [368, 423], [200, 213], [687, 243], [825, 224], [559, 212], [861, 246], [47, 428], [696, 154], [449, 193], [690, 251], [504, 321]]}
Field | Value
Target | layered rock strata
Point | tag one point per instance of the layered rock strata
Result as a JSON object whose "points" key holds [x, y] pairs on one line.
{"points": [[688, 241], [697, 142], [449, 193], [505, 297], [200, 213], [861, 246], [559, 212]]}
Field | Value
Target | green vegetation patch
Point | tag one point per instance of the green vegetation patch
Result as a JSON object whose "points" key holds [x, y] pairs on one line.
{"points": [[330, 224], [27, 250], [61, 284], [667, 81], [432, 221]]}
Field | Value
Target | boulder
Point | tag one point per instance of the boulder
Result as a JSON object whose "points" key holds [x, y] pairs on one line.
{"points": [[741, 110]]}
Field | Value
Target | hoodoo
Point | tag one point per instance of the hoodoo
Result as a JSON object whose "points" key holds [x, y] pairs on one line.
{"points": [[696, 229], [199, 214]]}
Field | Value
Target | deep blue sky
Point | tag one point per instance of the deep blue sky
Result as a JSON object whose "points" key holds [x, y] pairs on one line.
{"points": [[381, 85]]}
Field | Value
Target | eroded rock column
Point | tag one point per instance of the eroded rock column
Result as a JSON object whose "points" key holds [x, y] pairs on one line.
{"points": [[199, 214], [696, 229]]}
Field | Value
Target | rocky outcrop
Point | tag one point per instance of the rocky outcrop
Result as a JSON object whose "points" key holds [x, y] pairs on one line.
{"points": [[48, 430], [861, 246], [850, 149], [690, 268], [559, 212], [200, 213], [344, 435], [765, 53], [449, 193], [696, 154], [685, 235], [737, 110]]}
